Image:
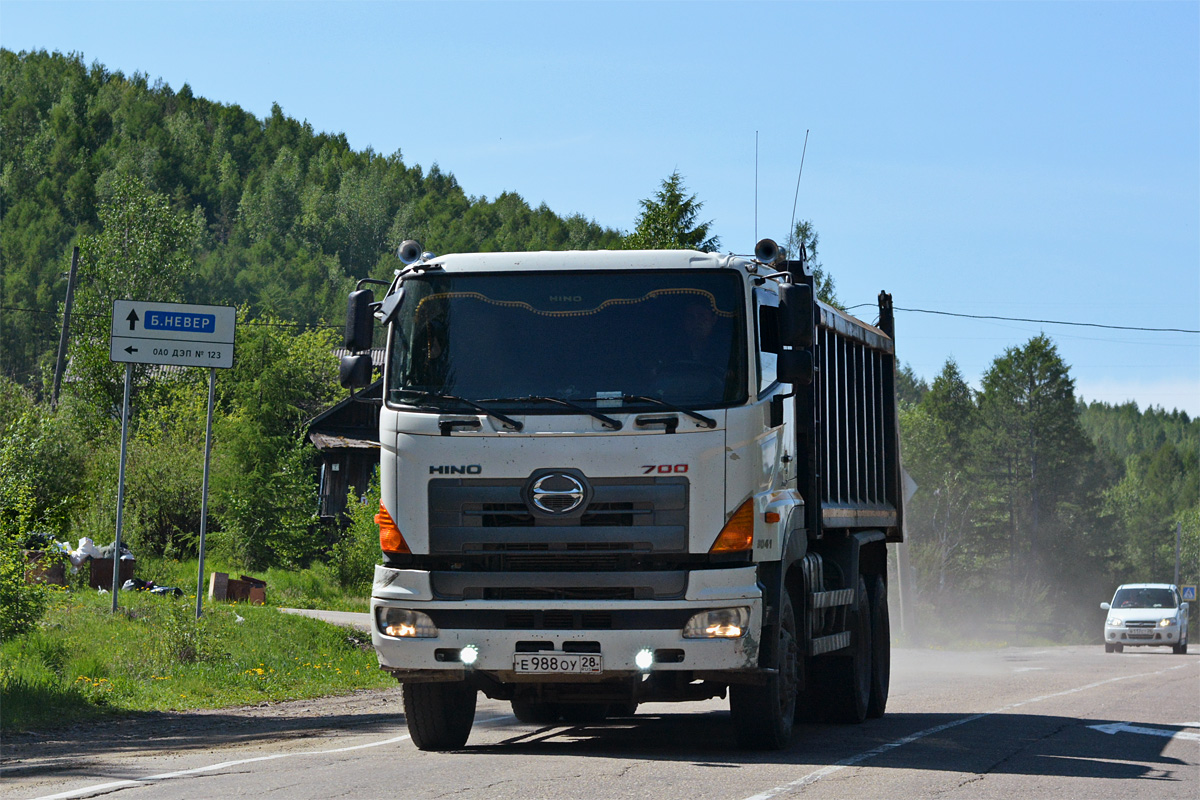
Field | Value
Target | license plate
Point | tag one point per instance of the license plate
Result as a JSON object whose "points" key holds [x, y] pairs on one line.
{"points": [[556, 663], [1140, 635]]}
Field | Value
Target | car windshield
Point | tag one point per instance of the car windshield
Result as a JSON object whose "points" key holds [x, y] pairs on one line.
{"points": [[599, 338], [1144, 598]]}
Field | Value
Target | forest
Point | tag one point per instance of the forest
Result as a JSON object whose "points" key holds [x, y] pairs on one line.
{"points": [[1031, 505]]}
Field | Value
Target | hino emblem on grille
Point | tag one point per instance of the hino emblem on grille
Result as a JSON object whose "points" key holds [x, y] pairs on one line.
{"points": [[557, 493]]}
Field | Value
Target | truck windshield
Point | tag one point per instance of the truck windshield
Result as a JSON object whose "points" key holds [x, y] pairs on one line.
{"points": [[579, 336], [1144, 598]]}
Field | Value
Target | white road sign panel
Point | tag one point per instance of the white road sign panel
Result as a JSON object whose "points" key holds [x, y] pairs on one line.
{"points": [[175, 334]]}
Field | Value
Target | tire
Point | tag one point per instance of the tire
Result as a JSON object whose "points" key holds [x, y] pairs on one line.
{"points": [[439, 715], [763, 715], [1110, 648], [850, 676], [535, 712], [1118, 648], [881, 649], [1180, 649], [623, 709], [583, 713]]}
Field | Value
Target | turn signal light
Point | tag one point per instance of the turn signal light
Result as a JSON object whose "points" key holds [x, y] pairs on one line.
{"points": [[738, 533], [391, 540]]}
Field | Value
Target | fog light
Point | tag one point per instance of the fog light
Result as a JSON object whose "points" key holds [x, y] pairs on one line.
{"points": [[469, 655], [404, 623], [720, 623], [644, 659]]}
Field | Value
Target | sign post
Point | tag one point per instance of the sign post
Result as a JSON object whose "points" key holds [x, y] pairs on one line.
{"points": [[170, 334]]}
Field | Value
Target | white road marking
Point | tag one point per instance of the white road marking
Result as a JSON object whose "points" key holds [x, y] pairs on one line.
{"points": [[1125, 727], [1027, 669], [108, 787], [813, 777]]}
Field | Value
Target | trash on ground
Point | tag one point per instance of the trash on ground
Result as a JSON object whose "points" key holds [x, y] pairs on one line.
{"points": [[246, 588]]}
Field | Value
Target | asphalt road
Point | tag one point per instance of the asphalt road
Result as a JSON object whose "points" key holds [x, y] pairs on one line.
{"points": [[1067, 722]]}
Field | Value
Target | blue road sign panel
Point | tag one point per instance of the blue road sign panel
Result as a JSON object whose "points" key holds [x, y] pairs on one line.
{"points": [[1189, 593], [174, 321]]}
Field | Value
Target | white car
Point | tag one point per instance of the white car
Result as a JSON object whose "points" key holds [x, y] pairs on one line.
{"points": [[1146, 614]]}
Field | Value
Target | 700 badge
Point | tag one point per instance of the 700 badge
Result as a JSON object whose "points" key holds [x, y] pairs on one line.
{"points": [[664, 469]]}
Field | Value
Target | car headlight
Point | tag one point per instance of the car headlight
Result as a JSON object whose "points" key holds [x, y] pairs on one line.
{"points": [[1116, 622], [404, 623], [720, 623], [1168, 621]]}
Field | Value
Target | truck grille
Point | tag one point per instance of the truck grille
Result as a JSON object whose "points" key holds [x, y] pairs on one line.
{"points": [[487, 521]]}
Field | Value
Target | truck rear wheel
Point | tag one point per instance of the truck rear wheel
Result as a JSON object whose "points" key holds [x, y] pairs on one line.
{"points": [[881, 649], [439, 715], [851, 676], [535, 712], [763, 715], [583, 713]]}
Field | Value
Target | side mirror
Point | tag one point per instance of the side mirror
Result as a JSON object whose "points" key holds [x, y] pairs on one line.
{"points": [[797, 315], [360, 320], [795, 367], [355, 371], [1105, 606]]}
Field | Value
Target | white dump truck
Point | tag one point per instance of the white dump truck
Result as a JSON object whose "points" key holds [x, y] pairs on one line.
{"points": [[618, 477]]}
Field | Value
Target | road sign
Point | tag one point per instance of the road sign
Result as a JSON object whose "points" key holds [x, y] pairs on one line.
{"points": [[1189, 592], [175, 334]]}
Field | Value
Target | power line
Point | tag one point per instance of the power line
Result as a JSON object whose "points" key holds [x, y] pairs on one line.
{"points": [[1027, 319], [848, 308], [247, 322]]}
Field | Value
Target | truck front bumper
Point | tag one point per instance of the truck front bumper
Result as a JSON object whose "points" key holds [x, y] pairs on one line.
{"points": [[617, 630]]}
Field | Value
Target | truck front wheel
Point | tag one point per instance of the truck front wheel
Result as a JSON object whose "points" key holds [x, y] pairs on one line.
{"points": [[763, 715], [439, 715]]}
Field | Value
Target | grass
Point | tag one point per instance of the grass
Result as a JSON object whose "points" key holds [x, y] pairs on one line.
{"points": [[84, 662]]}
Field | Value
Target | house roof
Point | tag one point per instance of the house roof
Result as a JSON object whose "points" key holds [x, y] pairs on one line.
{"points": [[352, 423]]}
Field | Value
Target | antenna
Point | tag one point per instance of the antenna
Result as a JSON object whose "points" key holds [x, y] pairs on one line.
{"points": [[792, 227], [756, 185]]}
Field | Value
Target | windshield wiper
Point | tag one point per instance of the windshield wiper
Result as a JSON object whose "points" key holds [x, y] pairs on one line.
{"points": [[708, 422], [451, 398], [606, 420]]}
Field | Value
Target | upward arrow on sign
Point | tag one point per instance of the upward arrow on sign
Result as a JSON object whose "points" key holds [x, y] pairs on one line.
{"points": [[133, 318]]}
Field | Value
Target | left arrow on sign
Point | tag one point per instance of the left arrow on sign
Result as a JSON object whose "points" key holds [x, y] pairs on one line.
{"points": [[131, 349], [133, 318]]}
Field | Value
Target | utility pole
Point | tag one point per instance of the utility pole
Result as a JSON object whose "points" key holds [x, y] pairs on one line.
{"points": [[60, 364], [1178, 539]]}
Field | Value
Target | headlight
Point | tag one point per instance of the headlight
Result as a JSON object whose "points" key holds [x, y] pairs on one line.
{"points": [[720, 623], [1116, 622], [1168, 621], [405, 624]]}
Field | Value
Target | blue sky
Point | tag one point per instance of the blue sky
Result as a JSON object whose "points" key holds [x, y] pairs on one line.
{"points": [[1037, 160]]}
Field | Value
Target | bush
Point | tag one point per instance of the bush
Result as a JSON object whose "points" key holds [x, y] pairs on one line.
{"points": [[357, 551], [21, 604]]}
